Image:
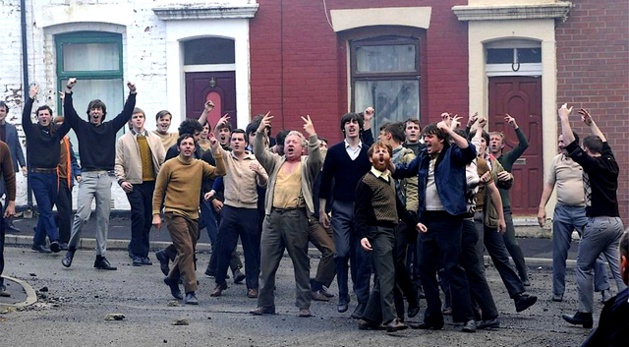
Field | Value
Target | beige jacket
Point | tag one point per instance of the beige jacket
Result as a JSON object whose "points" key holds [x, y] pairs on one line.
{"points": [[128, 165]]}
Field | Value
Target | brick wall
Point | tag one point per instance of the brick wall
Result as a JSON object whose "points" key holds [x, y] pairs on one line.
{"points": [[593, 73], [298, 63]]}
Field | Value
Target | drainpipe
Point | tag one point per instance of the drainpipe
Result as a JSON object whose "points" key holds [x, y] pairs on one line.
{"points": [[29, 196]]}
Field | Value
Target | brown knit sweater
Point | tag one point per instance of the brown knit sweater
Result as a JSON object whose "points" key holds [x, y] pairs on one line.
{"points": [[375, 203], [178, 184]]}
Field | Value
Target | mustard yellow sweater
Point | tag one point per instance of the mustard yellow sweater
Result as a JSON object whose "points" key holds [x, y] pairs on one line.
{"points": [[178, 184]]}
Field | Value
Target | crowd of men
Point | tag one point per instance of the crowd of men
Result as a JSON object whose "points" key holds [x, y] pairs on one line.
{"points": [[415, 209]]}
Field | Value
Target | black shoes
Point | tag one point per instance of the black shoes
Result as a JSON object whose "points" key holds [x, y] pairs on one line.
{"points": [[582, 318], [103, 264], [146, 261], [413, 311], [524, 301], [163, 262], [259, 311], [191, 299], [488, 324], [174, 287], [239, 277], [469, 326], [342, 306], [67, 260], [137, 261], [54, 247], [40, 249], [9, 227]]}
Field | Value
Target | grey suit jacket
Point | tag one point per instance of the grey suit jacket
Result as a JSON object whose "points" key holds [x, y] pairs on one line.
{"points": [[13, 141]]}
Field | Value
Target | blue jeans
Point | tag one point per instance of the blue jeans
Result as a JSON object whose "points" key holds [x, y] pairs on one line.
{"points": [[241, 222], [44, 187], [566, 219], [94, 185], [601, 235]]}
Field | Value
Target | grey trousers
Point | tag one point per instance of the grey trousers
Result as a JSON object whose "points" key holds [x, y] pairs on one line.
{"points": [[600, 235], [380, 307], [566, 219], [94, 185], [284, 229]]}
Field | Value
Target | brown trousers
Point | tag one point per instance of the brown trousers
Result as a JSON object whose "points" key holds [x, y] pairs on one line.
{"points": [[184, 233]]}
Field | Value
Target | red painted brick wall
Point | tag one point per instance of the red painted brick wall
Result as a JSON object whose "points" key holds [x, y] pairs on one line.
{"points": [[299, 66], [593, 73]]}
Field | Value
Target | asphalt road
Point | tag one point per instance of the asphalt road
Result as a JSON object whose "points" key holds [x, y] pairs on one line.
{"points": [[78, 299]]}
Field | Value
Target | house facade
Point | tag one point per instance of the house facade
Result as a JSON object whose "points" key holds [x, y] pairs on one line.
{"points": [[407, 58]]}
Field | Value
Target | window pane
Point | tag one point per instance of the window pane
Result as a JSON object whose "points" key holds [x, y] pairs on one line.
{"points": [[91, 57], [500, 56], [394, 101], [209, 51], [386, 58], [529, 55]]}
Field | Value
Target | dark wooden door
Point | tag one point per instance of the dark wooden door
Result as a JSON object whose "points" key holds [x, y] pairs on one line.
{"points": [[220, 87], [521, 97]]}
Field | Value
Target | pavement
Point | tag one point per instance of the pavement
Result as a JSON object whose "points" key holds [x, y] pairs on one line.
{"points": [[534, 241]]}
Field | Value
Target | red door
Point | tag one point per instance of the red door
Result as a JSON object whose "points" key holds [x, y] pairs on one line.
{"points": [[220, 87], [521, 97]]}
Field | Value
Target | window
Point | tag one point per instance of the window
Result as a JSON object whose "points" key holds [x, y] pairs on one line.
{"points": [[385, 74], [513, 58], [95, 59], [209, 51]]}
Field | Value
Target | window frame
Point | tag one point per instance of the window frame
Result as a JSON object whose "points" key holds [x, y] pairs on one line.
{"points": [[87, 37], [385, 40]]}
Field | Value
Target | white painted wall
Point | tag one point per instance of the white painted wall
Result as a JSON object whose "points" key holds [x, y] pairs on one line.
{"points": [[151, 53]]}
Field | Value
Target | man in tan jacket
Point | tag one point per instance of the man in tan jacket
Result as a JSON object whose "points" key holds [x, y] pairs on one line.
{"points": [[139, 156]]}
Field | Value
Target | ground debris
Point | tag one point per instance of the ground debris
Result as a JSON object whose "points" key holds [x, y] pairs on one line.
{"points": [[114, 316], [182, 321]]}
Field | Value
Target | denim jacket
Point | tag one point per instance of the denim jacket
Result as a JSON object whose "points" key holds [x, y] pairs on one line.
{"points": [[449, 177]]}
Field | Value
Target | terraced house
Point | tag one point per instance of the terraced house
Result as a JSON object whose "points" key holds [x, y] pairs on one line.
{"points": [[407, 58]]}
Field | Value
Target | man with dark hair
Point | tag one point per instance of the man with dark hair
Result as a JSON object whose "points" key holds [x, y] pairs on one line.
{"points": [[224, 134], [8, 135], [43, 151], [191, 127], [345, 163], [601, 234], [412, 135], [569, 214], [97, 149], [163, 119], [8, 177], [496, 147], [239, 214], [177, 189], [442, 207]]}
